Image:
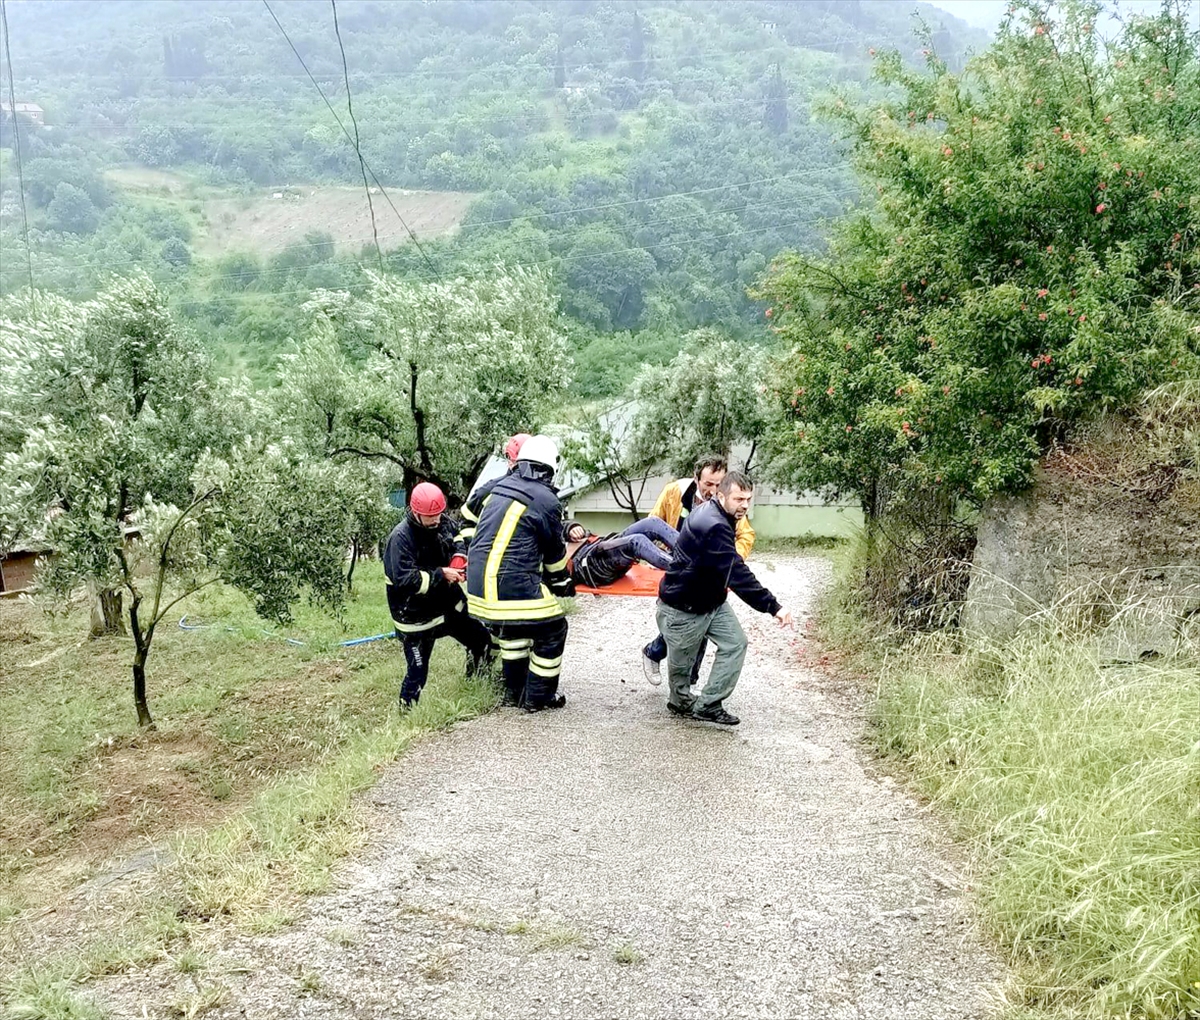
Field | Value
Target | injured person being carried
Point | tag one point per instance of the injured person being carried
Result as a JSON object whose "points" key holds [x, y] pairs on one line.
{"points": [[599, 562]]}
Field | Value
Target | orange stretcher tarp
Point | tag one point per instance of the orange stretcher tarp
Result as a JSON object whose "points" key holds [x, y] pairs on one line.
{"points": [[642, 579]]}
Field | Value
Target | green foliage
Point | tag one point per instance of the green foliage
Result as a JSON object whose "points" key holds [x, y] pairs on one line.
{"points": [[426, 377], [104, 403], [706, 400], [284, 525], [115, 434], [44, 174], [238, 271], [1079, 776], [607, 149], [72, 210], [606, 363], [176, 252], [1072, 781], [1032, 258]]}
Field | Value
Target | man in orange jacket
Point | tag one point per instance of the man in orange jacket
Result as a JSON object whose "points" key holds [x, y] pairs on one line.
{"points": [[675, 502]]}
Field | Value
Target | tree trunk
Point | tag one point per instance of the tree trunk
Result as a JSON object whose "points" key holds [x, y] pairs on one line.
{"points": [[106, 612], [139, 689], [870, 509], [141, 651], [353, 564]]}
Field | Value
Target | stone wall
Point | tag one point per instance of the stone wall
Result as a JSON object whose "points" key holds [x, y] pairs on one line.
{"points": [[1093, 547]]}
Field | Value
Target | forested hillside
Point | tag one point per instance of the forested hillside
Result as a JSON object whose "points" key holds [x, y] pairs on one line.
{"points": [[653, 157]]}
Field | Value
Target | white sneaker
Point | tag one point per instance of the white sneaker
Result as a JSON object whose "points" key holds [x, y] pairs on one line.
{"points": [[652, 669]]}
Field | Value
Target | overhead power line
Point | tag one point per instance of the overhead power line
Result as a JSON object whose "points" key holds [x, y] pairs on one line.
{"points": [[362, 166], [370, 170], [12, 114]]}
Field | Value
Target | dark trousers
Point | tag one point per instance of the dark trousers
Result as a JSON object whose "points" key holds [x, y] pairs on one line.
{"points": [[656, 650], [531, 654], [418, 647]]}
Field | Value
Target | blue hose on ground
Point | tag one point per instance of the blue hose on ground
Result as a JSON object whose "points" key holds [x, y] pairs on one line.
{"points": [[184, 625]]}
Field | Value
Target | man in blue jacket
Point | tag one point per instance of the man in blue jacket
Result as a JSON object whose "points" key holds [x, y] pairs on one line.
{"points": [[693, 602]]}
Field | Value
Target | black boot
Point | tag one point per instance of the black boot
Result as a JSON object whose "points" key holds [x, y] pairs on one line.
{"points": [[557, 701]]}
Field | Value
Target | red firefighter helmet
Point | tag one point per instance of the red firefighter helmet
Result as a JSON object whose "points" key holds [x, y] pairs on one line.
{"points": [[513, 447], [427, 500]]}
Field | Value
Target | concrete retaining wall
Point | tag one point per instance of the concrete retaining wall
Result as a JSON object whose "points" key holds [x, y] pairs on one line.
{"points": [[1087, 553]]}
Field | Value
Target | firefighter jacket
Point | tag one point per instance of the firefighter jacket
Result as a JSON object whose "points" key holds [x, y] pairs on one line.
{"points": [[518, 560], [471, 510], [418, 594], [675, 503], [706, 564]]}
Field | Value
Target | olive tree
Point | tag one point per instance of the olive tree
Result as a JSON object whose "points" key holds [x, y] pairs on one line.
{"points": [[145, 476], [105, 402], [708, 399], [427, 377]]}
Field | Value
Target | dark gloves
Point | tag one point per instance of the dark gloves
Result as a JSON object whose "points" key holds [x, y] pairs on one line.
{"points": [[564, 588]]}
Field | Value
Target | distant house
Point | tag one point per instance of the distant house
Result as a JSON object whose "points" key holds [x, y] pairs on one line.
{"points": [[17, 567], [775, 513], [30, 111]]}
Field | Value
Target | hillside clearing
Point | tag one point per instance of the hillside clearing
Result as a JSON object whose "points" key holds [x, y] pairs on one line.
{"points": [[271, 218], [264, 223]]}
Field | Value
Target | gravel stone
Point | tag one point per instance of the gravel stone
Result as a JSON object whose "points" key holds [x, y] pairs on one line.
{"points": [[611, 861]]}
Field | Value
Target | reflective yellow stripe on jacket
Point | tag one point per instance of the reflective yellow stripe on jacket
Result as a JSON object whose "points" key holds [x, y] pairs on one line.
{"points": [[491, 606], [417, 628]]}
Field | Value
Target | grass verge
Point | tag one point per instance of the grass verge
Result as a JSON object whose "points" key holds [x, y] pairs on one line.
{"points": [[287, 840], [246, 790], [1076, 785]]}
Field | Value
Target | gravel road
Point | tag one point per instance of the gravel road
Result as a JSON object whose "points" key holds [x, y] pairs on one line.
{"points": [[610, 860]]}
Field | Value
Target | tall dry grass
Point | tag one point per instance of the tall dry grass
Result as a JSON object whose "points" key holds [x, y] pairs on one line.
{"points": [[1076, 784]]}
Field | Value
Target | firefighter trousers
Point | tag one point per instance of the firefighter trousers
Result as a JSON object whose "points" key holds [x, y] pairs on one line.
{"points": [[418, 647], [531, 654]]}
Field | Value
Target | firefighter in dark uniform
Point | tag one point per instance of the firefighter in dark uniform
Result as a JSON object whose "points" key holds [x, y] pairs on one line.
{"points": [[424, 592], [516, 567]]}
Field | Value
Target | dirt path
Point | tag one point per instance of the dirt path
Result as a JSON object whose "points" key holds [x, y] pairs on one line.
{"points": [[610, 860]]}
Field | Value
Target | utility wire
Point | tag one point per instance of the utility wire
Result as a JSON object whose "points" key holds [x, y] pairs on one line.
{"points": [[362, 166], [374, 176], [12, 112]]}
